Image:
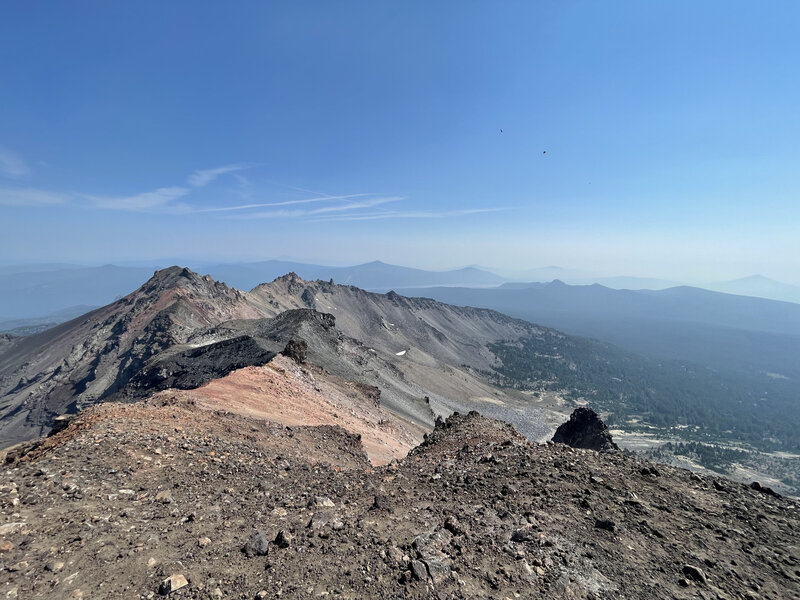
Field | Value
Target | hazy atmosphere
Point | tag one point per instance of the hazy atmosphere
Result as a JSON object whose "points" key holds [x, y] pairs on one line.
{"points": [[625, 138]]}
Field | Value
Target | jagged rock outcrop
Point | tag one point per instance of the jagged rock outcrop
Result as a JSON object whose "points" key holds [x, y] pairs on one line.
{"points": [[585, 429]]}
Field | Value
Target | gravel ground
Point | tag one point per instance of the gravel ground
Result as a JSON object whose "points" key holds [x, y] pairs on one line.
{"points": [[165, 497]]}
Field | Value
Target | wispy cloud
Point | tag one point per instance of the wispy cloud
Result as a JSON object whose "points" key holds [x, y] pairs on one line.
{"points": [[30, 197], [173, 200], [11, 165], [284, 203], [409, 214], [161, 200], [305, 213], [202, 177]]}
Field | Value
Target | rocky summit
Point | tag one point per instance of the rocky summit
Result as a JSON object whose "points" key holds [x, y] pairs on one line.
{"points": [[164, 498]]}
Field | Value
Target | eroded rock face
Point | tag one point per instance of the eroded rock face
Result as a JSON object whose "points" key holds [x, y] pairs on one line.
{"points": [[585, 429]]}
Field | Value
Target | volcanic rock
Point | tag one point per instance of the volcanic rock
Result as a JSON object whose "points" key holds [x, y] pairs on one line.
{"points": [[174, 582], [485, 551], [257, 545], [585, 429], [297, 350]]}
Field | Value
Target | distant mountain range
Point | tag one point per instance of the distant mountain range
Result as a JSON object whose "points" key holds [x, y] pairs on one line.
{"points": [[760, 286], [31, 292], [28, 326], [374, 276], [753, 336], [37, 291], [181, 330]]}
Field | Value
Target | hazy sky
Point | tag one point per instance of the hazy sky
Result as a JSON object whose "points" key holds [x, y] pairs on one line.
{"points": [[343, 132]]}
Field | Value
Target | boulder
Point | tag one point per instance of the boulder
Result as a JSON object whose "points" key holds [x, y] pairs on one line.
{"points": [[257, 545], [585, 429], [174, 582]]}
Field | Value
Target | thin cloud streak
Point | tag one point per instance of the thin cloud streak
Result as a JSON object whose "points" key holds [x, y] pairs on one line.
{"points": [[410, 214], [285, 203], [202, 177], [282, 214], [30, 197], [11, 165], [159, 200], [356, 205]]}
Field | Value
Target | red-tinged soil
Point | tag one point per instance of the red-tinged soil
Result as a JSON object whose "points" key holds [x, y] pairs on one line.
{"points": [[290, 394]]}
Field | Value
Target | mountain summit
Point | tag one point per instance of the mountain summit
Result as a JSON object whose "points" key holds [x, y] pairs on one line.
{"points": [[90, 358]]}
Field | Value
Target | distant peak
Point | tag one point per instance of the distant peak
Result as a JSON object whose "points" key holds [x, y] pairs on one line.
{"points": [[759, 278], [172, 277], [290, 277]]}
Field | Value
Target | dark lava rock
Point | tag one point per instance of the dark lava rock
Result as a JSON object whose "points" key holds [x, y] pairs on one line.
{"points": [[437, 570], [297, 350], [605, 524], [419, 570], [524, 534], [257, 545], [694, 573], [585, 430], [763, 489], [197, 366], [381, 502], [60, 423], [454, 526], [283, 539]]}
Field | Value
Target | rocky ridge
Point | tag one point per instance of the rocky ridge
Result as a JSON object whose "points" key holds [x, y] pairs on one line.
{"points": [[181, 330], [166, 497]]}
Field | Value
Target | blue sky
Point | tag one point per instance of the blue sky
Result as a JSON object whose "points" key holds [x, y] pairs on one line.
{"points": [[344, 132]]}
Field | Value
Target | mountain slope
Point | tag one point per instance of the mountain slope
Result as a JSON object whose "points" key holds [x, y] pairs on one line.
{"points": [[90, 358], [427, 359], [130, 496], [182, 330], [722, 331]]}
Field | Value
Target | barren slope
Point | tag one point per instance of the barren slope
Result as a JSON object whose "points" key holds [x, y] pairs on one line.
{"points": [[290, 394], [181, 330], [89, 358], [130, 495], [441, 348]]}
